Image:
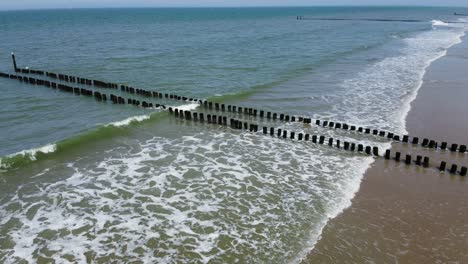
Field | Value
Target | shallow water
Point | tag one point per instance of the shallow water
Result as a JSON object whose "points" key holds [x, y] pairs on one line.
{"points": [[165, 190]]}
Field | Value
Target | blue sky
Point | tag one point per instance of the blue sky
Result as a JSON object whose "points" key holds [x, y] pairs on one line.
{"points": [[35, 4]]}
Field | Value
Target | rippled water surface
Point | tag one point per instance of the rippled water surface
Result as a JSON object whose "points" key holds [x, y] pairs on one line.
{"points": [[82, 180]]}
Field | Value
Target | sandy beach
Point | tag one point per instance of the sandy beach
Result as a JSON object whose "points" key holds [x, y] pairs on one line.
{"points": [[407, 214]]}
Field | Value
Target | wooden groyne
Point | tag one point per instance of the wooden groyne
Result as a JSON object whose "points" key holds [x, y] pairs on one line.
{"points": [[84, 92], [377, 20], [214, 114], [363, 19], [251, 111], [331, 142]]}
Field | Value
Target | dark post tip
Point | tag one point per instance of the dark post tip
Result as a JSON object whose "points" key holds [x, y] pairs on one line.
{"points": [[321, 139], [346, 145], [375, 151], [426, 162], [418, 160], [368, 150], [408, 159], [442, 166], [462, 149], [425, 142], [397, 156], [387, 154], [454, 147], [443, 145], [360, 147], [463, 171], [453, 169]]}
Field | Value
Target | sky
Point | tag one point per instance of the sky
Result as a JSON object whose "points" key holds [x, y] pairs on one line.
{"points": [[45, 4]]}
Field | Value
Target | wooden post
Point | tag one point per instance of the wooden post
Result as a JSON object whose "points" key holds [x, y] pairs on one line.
{"points": [[453, 169], [426, 162], [387, 154], [397, 156], [14, 61], [443, 145], [408, 159], [442, 166]]}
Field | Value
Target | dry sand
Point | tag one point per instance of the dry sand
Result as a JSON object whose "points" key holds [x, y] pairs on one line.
{"points": [[407, 214]]}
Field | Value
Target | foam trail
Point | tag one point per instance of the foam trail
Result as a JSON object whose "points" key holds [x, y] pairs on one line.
{"points": [[30, 154], [186, 107], [439, 23], [130, 120], [396, 79], [239, 189]]}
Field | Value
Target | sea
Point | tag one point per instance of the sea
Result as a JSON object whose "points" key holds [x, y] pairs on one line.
{"points": [[83, 181]]}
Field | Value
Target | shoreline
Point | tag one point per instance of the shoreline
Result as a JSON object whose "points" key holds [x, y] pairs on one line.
{"points": [[379, 205]]}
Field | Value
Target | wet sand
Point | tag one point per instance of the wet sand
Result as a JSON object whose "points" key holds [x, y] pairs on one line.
{"points": [[407, 214]]}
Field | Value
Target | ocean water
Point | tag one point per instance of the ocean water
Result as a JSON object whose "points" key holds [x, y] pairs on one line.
{"points": [[83, 181]]}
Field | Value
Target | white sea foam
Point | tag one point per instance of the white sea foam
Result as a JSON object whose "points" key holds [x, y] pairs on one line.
{"points": [[31, 154], [439, 23], [49, 148], [128, 121], [186, 107], [381, 97], [208, 197]]}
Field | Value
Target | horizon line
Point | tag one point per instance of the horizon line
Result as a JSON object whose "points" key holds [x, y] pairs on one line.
{"points": [[233, 6]]}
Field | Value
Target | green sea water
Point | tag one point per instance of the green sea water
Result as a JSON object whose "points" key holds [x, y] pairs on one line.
{"points": [[83, 181]]}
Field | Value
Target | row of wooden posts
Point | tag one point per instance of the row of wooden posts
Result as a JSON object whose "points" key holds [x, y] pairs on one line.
{"points": [[322, 140], [81, 91], [425, 142], [238, 109]]}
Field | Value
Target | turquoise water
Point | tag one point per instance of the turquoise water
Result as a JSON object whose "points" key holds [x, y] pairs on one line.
{"points": [[83, 180]]}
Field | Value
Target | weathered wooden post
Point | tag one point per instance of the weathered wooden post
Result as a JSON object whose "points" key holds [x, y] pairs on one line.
{"points": [[426, 162], [462, 149], [387, 154], [14, 62], [442, 166], [360, 148], [375, 151], [368, 150], [453, 169], [463, 171], [408, 159], [454, 147], [418, 160], [397, 156]]}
